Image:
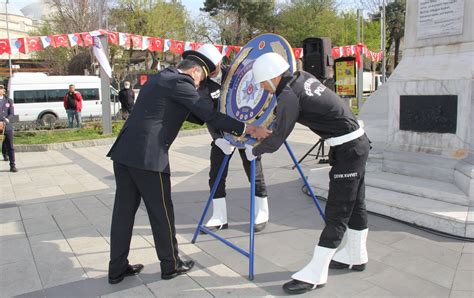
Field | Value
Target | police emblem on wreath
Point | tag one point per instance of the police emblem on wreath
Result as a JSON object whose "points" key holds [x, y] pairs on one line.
{"points": [[242, 98]]}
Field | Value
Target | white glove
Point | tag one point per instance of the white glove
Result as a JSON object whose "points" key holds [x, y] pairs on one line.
{"points": [[225, 146], [249, 153]]}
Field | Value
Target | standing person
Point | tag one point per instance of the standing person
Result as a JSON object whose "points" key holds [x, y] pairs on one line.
{"points": [[209, 91], [7, 112], [302, 98], [127, 100], [141, 164], [73, 106]]}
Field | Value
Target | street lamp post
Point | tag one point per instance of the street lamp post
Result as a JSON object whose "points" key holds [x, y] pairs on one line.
{"points": [[8, 36]]}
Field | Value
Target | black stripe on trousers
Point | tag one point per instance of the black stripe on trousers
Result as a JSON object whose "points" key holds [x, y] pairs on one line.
{"points": [[155, 189]]}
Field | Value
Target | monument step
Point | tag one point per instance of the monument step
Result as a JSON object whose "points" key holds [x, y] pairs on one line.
{"points": [[421, 165], [442, 216], [432, 189]]}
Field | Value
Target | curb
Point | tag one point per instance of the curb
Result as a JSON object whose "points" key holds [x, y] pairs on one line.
{"points": [[92, 143]]}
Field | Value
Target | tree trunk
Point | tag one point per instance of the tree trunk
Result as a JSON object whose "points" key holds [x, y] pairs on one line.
{"points": [[396, 54]]}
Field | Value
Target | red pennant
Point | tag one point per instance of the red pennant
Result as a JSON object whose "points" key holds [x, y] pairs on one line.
{"points": [[155, 44], [137, 41], [297, 52], [219, 47], [237, 49], [5, 46], [359, 57], [178, 47], [60, 40], [87, 39], [112, 37], [33, 44]]}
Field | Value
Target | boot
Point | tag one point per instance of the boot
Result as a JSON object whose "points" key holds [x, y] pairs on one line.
{"points": [[13, 169], [5, 157], [312, 276], [261, 213], [352, 254], [218, 220]]}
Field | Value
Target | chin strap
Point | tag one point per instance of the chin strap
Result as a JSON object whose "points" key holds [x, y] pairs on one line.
{"points": [[272, 85]]}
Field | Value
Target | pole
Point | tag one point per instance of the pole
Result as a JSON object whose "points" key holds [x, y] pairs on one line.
{"points": [[8, 36], [382, 28], [360, 70], [105, 91]]}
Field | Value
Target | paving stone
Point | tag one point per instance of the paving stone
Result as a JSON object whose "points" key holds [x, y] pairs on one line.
{"points": [[55, 261], [178, 287], [405, 284], [18, 278], [71, 221], [40, 225], [436, 253], [62, 207], [461, 294], [11, 230], [375, 292], [15, 250], [86, 240], [34, 210], [466, 262], [9, 214], [139, 291], [464, 280]]}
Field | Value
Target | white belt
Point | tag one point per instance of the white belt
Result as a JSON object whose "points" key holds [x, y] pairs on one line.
{"points": [[345, 138]]}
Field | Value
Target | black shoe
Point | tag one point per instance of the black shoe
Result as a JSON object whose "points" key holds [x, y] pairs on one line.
{"points": [[338, 265], [13, 169], [259, 227], [131, 270], [216, 228], [183, 267], [5, 157], [295, 287]]}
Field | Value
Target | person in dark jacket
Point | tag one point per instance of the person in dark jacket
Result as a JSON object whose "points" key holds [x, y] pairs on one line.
{"points": [[73, 106], [141, 163], [127, 100], [7, 113], [302, 98], [210, 90]]}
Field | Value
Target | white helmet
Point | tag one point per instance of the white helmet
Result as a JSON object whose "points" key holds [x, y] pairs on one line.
{"points": [[211, 52], [269, 66]]}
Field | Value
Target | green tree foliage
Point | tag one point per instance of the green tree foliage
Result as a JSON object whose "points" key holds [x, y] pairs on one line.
{"points": [[395, 20], [241, 20]]}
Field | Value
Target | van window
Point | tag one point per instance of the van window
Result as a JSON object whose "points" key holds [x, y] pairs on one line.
{"points": [[37, 96]]}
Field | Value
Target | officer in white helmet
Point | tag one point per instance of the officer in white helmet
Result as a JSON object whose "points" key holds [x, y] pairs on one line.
{"points": [[302, 98], [210, 91]]}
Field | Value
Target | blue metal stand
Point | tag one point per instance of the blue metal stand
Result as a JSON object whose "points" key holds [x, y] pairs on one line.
{"points": [[250, 253]]}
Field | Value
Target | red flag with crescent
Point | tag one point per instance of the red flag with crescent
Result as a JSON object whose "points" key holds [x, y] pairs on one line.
{"points": [[60, 40], [178, 47], [87, 38], [5, 46], [113, 37], [33, 44]]}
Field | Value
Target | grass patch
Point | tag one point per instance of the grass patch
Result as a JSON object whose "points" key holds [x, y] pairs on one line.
{"points": [[90, 131]]}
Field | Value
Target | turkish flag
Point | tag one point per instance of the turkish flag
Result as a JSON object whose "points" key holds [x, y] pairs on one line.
{"points": [[60, 40], [155, 44], [137, 41], [33, 44], [5, 46], [178, 47], [113, 37], [196, 45], [297, 52], [237, 49], [87, 39]]}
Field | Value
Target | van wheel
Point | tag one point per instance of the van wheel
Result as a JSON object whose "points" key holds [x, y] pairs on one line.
{"points": [[48, 119]]}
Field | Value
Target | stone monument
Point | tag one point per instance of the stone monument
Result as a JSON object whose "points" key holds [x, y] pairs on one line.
{"points": [[421, 124]]}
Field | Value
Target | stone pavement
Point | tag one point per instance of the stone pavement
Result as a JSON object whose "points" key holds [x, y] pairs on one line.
{"points": [[55, 221]]}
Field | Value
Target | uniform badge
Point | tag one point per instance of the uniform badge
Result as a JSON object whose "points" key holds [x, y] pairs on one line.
{"points": [[242, 98]]}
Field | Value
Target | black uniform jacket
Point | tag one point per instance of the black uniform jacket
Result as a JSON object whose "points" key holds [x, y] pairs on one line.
{"points": [[210, 93], [163, 104], [303, 99], [7, 112]]}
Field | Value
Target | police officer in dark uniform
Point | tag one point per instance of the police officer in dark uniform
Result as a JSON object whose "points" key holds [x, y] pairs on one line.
{"points": [[141, 164], [210, 90], [7, 113], [302, 98]]}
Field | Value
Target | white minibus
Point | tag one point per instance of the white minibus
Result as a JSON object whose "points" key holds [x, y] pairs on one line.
{"points": [[39, 97]]}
